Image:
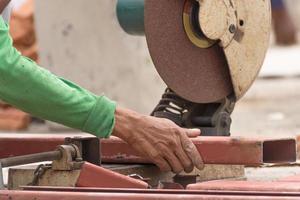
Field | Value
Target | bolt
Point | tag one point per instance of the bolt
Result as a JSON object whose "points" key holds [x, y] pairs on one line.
{"points": [[232, 28]]}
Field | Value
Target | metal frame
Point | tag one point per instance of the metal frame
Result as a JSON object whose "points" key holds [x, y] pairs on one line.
{"points": [[215, 150]]}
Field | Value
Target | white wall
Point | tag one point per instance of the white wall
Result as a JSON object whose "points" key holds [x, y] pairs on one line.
{"points": [[82, 41]]}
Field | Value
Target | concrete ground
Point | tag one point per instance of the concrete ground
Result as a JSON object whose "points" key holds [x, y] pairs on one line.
{"points": [[271, 108]]}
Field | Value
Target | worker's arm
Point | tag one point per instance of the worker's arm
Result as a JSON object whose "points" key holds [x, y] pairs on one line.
{"points": [[35, 90]]}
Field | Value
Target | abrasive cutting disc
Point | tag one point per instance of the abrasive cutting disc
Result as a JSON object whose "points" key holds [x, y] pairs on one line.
{"points": [[196, 74]]}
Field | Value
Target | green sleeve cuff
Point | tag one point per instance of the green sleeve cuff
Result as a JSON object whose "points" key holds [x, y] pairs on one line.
{"points": [[101, 120]]}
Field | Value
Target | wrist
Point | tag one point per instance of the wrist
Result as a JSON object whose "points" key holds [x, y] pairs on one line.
{"points": [[125, 121]]}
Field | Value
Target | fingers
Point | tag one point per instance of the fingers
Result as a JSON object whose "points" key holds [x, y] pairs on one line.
{"points": [[185, 160], [192, 133], [162, 164], [191, 151], [153, 154], [172, 159]]}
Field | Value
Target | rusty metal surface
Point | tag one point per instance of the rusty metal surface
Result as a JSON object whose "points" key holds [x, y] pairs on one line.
{"points": [[22, 144], [196, 74], [255, 186], [157, 191], [120, 194], [294, 178], [95, 176], [214, 150]]}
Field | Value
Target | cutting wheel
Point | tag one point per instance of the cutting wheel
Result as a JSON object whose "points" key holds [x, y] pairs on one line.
{"points": [[197, 74]]}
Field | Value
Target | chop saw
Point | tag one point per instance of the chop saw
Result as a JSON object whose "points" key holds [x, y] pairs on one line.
{"points": [[208, 52]]}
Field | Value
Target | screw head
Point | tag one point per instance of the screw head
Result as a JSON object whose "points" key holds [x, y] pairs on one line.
{"points": [[232, 28]]}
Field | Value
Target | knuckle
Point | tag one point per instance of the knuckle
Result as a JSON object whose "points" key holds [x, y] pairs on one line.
{"points": [[171, 143], [154, 155], [188, 146]]}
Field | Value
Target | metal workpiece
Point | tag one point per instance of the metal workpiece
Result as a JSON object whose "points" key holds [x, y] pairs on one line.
{"points": [[294, 178], [257, 186], [214, 150], [49, 193], [22, 144], [130, 15]]}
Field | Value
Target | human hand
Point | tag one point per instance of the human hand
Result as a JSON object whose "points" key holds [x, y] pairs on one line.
{"points": [[160, 140]]}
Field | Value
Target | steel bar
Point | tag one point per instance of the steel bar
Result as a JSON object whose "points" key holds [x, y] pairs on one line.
{"points": [[137, 195], [31, 158], [255, 186], [95, 176], [215, 150], [23, 144], [157, 191]]}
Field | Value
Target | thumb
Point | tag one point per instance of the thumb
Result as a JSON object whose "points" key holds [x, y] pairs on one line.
{"points": [[192, 133]]}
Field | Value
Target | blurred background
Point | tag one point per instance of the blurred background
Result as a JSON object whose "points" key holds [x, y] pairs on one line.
{"points": [[82, 41]]}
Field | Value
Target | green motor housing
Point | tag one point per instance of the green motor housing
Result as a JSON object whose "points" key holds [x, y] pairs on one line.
{"points": [[130, 15]]}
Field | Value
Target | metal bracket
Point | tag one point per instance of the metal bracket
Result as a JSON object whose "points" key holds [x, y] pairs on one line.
{"points": [[70, 160], [213, 119]]}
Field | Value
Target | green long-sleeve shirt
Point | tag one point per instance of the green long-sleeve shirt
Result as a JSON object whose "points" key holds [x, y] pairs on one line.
{"points": [[37, 91]]}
